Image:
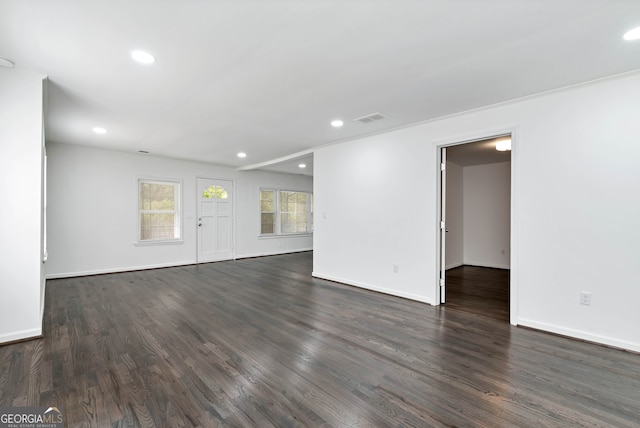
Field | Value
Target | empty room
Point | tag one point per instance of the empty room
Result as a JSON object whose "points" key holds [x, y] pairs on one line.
{"points": [[235, 213]]}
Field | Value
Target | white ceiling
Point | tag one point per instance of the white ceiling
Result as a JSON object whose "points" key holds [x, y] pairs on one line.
{"points": [[267, 77]]}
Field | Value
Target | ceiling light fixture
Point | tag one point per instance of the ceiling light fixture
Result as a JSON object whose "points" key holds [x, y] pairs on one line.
{"points": [[143, 57], [6, 63], [99, 130], [503, 145], [337, 123], [302, 165], [632, 34], [242, 155]]}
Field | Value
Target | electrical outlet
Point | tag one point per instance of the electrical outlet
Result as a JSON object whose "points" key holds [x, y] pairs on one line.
{"points": [[396, 268], [585, 298]]}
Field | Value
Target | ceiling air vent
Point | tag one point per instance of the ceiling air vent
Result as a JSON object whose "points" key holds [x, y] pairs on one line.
{"points": [[370, 118]]}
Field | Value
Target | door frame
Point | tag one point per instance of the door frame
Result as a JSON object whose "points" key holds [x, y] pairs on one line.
{"points": [[513, 257], [233, 217]]}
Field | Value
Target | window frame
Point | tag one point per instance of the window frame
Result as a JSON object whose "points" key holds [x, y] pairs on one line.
{"points": [[177, 211], [277, 213]]}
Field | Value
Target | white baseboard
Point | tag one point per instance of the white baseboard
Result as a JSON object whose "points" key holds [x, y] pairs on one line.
{"points": [[579, 334], [162, 265], [118, 269], [410, 296], [20, 335], [273, 253], [488, 265], [453, 266]]}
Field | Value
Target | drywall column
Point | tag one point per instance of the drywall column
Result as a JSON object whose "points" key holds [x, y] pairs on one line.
{"points": [[21, 187]]}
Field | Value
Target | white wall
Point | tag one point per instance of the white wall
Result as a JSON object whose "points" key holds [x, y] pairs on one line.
{"points": [[576, 177], [454, 249], [92, 210], [486, 206], [21, 154], [374, 208]]}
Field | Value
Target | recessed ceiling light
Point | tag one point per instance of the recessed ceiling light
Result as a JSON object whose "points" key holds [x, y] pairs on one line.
{"points": [[242, 155], [302, 165], [503, 145], [143, 57], [6, 63], [337, 123], [99, 130], [632, 34]]}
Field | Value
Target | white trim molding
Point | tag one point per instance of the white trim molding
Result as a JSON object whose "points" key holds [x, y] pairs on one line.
{"points": [[580, 334], [410, 296], [34, 333], [119, 270], [273, 253]]}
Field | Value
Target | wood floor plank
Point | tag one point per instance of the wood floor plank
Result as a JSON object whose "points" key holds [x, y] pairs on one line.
{"points": [[259, 342], [479, 290]]}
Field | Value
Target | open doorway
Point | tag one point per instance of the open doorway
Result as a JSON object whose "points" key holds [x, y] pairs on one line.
{"points": [[476, 201]]}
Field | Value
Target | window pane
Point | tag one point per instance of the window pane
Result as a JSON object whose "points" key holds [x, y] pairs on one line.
{"points": [[266, 206], [267, 223], [267, 200], [156, 196], [287, 228], [157, 226], [293, 212], [214, 192], [209, 192], [284, 201]]}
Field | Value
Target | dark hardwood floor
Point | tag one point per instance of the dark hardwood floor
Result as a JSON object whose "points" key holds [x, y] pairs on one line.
{"points": [[479, 290], [258, 342]]}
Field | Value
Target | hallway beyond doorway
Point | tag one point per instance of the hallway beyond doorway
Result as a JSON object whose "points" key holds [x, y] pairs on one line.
{"points": [[479, 290]]}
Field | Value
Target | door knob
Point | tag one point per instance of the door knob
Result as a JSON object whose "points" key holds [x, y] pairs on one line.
{"points": [[199, 224]]}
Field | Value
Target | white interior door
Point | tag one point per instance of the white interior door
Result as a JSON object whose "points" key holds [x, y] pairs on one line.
{"points": [[215, 220], [443, 226]]}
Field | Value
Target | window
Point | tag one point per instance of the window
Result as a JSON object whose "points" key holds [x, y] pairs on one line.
{"points": [[267, 212], [285, 212], [215, 192], [293, 212], [158, 210]]}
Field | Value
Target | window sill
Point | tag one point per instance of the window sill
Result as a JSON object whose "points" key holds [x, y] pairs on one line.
{"points": [[154, 243]]}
